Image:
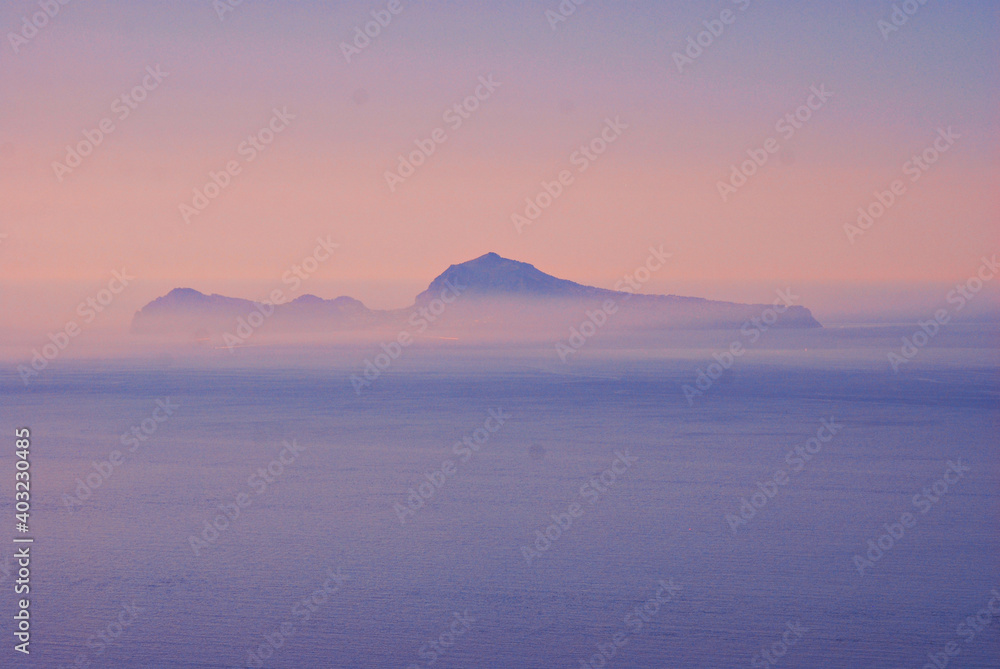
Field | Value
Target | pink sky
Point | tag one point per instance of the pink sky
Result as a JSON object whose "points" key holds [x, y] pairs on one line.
{"points": [[325, 173]]}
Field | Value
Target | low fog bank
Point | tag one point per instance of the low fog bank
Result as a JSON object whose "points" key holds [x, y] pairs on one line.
{"points": [[564, 334], [841, 303], [865, 348]]}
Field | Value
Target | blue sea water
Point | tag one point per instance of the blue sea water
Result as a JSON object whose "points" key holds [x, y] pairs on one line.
{"points": [[454, 571]]}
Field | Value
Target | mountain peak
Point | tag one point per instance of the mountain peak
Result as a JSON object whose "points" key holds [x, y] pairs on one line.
{"points": [[184, 294], [492, 260], [492, 275]]}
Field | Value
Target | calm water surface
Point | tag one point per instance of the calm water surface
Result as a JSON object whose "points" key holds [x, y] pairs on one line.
{"points": [[334, 508]]}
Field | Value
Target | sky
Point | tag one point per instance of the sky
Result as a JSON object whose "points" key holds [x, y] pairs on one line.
{"points": [[338, 114]]}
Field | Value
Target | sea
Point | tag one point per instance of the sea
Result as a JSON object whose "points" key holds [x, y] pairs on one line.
{"points": [[803, 506]]}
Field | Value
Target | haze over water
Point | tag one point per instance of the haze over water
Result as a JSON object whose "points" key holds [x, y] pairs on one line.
{"points": [[332, 508]]}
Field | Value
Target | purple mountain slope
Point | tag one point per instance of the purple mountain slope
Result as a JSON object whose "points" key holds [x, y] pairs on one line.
{"points": [[487, 294]]}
